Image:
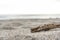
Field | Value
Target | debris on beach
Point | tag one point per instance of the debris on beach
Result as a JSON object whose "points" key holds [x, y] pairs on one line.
{"points": [[45, 27]]}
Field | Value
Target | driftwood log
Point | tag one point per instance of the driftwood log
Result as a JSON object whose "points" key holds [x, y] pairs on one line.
{"points": [[45, 27]]}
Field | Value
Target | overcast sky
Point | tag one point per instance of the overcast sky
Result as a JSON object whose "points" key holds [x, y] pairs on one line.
{"points": [[19, 7]]}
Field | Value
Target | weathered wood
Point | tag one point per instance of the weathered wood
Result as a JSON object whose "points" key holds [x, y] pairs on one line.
{"points": [[45, 27]]}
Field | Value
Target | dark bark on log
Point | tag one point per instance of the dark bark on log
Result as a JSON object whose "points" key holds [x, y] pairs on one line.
{"points": [[45, 27]]}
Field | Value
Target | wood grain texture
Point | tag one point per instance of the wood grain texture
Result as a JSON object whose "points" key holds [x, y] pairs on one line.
{"points": [[45, 27]]}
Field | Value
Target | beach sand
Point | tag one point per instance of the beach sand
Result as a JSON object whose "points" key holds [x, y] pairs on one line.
{"points": [[20, 29]]}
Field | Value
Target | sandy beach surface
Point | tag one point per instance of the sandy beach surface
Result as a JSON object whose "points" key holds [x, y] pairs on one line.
{"points": [[20, 29]]}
